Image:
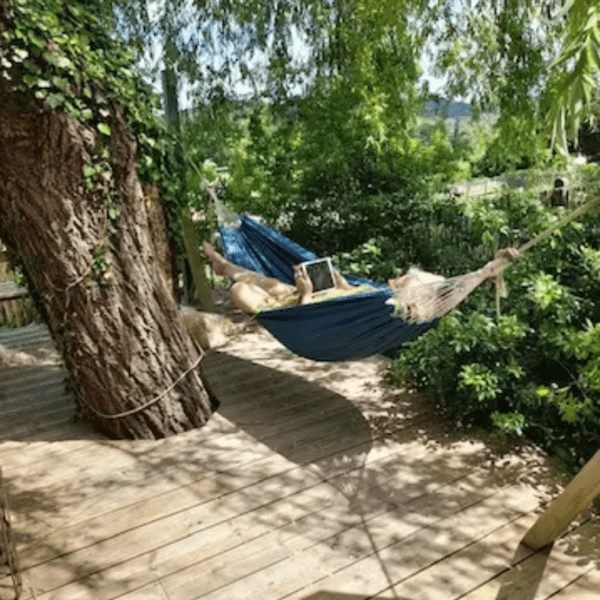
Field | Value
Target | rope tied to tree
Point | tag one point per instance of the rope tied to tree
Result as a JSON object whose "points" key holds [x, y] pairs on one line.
{"points": [[138, 409], [559, 224]]}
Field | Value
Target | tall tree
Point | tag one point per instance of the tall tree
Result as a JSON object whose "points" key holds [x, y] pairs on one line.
{"points": [[571, 92], [73, 218], [536, 63]]}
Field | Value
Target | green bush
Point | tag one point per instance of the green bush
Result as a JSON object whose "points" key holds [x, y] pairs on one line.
{"points": [[535, 369]]}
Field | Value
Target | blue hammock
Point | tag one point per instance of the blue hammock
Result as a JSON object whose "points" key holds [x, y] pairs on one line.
{"points": [[342, 328]]}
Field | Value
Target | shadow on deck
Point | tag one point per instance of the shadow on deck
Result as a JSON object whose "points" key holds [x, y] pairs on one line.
{"points": [[311, 482]]}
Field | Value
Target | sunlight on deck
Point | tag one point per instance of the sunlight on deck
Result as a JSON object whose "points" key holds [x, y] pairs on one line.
{"points": [[312, 482]]}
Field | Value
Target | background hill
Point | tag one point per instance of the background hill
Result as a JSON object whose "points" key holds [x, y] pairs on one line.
{"points": [[446, 108]]}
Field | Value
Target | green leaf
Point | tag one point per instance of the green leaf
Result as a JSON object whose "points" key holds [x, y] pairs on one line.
{"points": [[89, 171], [32, 67], [38, 42], [104, 128], [62, 62], [49, 57], [30, 80], [543, 393], [61, 83], [19, 55], [55, 100]]}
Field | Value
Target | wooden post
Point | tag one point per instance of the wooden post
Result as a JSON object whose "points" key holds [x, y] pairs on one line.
{"points": [[196, 263], [576, 497]]}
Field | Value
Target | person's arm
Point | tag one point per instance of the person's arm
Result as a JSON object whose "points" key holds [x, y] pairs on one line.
{"points": [[340, 281], [303, 284]]}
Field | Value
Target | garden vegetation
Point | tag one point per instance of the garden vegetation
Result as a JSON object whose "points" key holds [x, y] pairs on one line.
{"points": [[331, 149]]}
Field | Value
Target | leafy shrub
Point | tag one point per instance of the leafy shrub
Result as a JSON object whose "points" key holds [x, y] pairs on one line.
{"points": [[536, 368]]}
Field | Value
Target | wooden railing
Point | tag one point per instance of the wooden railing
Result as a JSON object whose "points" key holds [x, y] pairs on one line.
{"points": [[14, 304]]}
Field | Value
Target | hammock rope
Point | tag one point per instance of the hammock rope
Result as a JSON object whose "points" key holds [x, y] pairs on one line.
{"points": [[578, 212], [434, 300]]}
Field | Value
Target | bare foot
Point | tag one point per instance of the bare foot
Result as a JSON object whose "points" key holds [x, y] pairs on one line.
{"points": [[208, 248], [216, 260]]}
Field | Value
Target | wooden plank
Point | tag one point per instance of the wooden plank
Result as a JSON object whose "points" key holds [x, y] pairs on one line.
{"points": [[139, 477], [127, 518], [415, 568], [210, 541], [576, 497], [217, 513], [18, 457], [82, 474], [29, 459], [118, 581], [20, 379], [541, 574], [364, 566], [383, 528], [12, 294], [26, 430], [584, 587]]}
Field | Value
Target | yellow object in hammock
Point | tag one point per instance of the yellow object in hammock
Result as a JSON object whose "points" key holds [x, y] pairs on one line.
{"points": [[294, 299]]}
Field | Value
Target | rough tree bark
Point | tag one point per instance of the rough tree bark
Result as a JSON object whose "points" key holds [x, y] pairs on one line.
{"points": [[122, 341]]}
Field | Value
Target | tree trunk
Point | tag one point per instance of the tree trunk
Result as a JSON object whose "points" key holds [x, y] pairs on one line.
{"points": [[95, 276]]}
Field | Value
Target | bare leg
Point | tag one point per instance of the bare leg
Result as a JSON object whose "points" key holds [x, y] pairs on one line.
{"points": [[249, 298], [221, 266]]}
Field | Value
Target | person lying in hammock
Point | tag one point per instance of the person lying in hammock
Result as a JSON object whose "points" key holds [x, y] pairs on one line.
{"points": [[252, 292], [421, 296]]}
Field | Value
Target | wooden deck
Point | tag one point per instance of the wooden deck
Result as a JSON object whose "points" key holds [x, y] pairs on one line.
{"points": [[312, 482]]}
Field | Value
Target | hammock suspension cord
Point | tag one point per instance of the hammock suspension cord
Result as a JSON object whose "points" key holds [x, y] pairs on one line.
{"points": [[434, 300]]}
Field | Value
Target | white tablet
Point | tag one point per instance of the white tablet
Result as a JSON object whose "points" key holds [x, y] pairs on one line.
{"points": [[320, 272]]}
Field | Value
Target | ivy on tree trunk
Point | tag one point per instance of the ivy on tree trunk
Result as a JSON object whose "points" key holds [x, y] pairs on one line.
{"points": [[97, 282]]}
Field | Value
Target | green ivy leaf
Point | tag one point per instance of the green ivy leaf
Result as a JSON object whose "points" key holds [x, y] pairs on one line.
{"points": [[89, 171], [62, 62], [61, 83], [38, 42], [55, 100], [32, 67], [104, 129], [30, 80], [19, 55]]}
